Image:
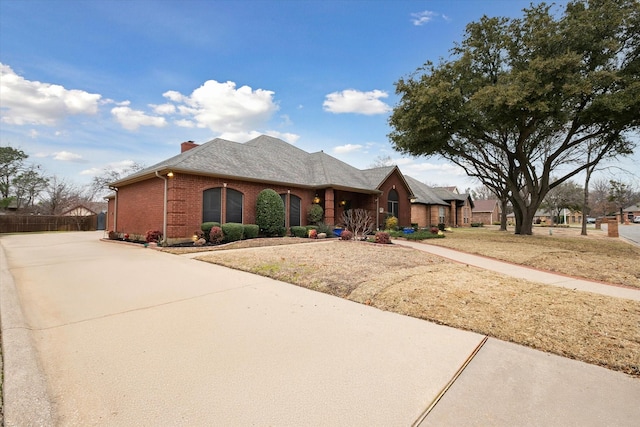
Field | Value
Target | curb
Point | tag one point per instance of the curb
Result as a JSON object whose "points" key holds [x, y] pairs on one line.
{"points": [[25, 395]]}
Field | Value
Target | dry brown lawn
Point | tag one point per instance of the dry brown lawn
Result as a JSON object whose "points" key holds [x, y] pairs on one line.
{"points": [[596, 329], [595, 257]]}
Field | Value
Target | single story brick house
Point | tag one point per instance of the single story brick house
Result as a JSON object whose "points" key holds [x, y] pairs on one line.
{"points": [[631, 212], [439, 205], [220, 181], [486, 211]]}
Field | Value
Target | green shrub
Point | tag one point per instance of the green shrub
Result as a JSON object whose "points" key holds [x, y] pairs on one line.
{"points": [[311, 227], [325, 228], [299, 231], [391, 223], [251, 231], [383, 238], [476, 224], [270, 213], [315, 214], [216, 235], [441, 226], [423, 234], [232, 231]]}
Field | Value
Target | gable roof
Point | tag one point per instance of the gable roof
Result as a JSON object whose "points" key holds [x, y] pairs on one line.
{"points": [[423, 193], [485, 205], [262, 159]]}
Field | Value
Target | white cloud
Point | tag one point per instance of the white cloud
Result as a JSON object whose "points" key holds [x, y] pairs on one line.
{"points": [[33, 134], [67, 156], [421, 18], [163, 108], [184, 123], [354, 101], [119, 167], [224, 109], [347, 148], [36, 103], [132, 119], [291, 138]]}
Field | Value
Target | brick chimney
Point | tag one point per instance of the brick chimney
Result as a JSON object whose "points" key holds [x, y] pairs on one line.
{"points": [[186, 146]]}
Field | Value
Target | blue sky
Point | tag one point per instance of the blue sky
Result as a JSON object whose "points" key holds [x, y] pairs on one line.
{"points": [[88, 85]]}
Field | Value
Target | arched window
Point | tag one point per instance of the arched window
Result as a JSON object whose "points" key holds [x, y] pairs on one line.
{"points": [[294, 209], [234, 206], [212, 205], [392, 203]]}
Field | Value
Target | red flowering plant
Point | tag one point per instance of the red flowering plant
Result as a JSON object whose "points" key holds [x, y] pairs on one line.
{"points": [[153, 236], [216, 236], [346, 235], [313, 233]]}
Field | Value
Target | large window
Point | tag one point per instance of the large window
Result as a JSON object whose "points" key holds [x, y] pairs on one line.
{"points": [[294, 209], [212, 205], [392, 203], [441, 215], [234, 206]]}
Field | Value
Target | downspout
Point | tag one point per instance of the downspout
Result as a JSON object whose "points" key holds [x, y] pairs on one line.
{"points": [[164, 209], [377, 213], [115, 209]]}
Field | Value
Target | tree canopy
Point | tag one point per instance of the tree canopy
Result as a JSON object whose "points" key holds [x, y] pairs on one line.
{"points": [[524, 98]]}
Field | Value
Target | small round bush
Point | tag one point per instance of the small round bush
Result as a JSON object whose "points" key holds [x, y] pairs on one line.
{"points": [[232, 231], [270, 213], [391, 223], [153, 236], [315, 214], [297, 231], [313, 234], [325, 228], [383, 238], [216, 235], [346, 235], [251, 231], [206, 228]]}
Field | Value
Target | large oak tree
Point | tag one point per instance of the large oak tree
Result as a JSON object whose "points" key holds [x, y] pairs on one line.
{"points": [[524, 98]]}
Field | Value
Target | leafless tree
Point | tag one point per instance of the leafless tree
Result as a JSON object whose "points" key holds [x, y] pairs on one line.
{"points": [[359, 221]]}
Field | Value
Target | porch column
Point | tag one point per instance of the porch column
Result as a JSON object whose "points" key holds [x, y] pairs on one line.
{"points": [[329, 207]]}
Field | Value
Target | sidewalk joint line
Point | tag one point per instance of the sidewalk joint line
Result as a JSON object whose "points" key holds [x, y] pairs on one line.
{"points": [[446, 388]]}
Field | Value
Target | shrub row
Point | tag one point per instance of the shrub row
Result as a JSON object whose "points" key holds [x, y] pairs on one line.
{"points": [[217, 233]]}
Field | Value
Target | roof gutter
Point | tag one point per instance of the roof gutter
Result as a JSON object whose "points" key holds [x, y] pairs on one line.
{"points": [[164, 208]]}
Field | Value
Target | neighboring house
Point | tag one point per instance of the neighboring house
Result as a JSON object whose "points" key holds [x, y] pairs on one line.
{"points": [[87, 209], [486, 211], [632, 211], [439, 205], [220, 181], [460, 206]]}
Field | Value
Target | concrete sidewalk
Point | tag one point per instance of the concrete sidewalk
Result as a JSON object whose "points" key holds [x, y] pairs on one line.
{"points": [[124, 335], [521, 272]]}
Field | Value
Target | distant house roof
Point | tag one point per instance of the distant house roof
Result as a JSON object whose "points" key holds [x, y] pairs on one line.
{"points": [[485, 205], [632, 208], [266, 159]]}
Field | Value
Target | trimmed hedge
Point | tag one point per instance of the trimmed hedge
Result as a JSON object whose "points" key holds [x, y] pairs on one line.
{"points": [[232, 231], [299, 231], [315, 214], [251, 231], [422, 235]]}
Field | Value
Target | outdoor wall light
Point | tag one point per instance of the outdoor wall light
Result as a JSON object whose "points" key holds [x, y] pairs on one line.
{"points": [[412, 200], [316, 199], [170, 175], [343, 202]]}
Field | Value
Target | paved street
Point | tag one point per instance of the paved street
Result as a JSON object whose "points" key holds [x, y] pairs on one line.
{"points": [[100, 333]]}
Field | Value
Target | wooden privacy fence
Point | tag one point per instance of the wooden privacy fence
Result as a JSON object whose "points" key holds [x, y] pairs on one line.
{"points": [[27, 223]]}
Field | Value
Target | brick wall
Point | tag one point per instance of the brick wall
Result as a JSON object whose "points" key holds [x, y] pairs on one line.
{"points": [[395, 181]]}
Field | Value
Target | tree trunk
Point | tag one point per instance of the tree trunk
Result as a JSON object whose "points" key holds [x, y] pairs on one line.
{"points": [[503, 214], [585, 202]]}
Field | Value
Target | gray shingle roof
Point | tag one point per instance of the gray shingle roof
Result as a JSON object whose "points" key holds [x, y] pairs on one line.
{"points": [[265, 159], [423, 193]]}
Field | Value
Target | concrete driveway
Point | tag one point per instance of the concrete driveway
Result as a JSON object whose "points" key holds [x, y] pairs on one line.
{"points": [[123, 335]]}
